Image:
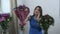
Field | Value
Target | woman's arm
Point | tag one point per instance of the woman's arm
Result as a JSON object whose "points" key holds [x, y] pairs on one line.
{"points": [[27, 18], [38, 17]]}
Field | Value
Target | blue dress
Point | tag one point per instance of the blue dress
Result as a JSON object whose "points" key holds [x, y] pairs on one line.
{"points": [[34, 27]]}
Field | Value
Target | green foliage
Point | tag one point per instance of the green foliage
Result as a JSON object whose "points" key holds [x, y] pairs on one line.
{"points": [[4, 24], [45, 22]]}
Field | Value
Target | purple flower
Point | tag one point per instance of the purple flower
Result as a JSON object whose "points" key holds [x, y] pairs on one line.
{"points": [[5, 15], [2, 19]]}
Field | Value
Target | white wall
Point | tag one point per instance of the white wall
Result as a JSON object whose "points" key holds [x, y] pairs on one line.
{"points": [[0, 6], [20, 2], [50, 7]]}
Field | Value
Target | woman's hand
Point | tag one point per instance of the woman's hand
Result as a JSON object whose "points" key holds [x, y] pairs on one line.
{"points": [[38, 17], [27, 18]]}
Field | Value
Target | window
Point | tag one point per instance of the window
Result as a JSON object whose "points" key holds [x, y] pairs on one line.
{"points": [[5, 6], [0, 7]]}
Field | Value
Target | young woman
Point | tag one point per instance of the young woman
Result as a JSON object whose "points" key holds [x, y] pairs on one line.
{"points": [[34, 27]]}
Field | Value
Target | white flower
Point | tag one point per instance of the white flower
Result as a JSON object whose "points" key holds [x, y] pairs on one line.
{"points": [[8, 19]]}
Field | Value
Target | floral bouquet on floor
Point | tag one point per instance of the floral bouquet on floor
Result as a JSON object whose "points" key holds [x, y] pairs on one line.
{"points": [[45, 22], [22, 12], [4, 20]]}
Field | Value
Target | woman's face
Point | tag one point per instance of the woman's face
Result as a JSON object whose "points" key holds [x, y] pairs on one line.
{"points": [[36, 12]]}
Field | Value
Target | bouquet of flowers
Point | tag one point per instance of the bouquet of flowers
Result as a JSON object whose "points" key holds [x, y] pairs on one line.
{"points": [[21, 12], [4, 20], [45, 22]]}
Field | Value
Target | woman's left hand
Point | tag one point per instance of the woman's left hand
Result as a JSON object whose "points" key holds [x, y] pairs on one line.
{"points": [[38, 17]]}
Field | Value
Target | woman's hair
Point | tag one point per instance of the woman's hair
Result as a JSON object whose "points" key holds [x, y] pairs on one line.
{"points": [[40, 9]]}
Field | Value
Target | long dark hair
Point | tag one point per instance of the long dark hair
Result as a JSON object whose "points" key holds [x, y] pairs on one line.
{"points": [[40, 9]]}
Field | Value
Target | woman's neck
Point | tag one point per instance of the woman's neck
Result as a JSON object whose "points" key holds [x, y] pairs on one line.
{"points": [[35, 16]]}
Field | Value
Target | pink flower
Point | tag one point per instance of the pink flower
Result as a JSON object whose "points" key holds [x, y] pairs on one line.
{"points": [[2, 19], [5, 15], [22, 12]]}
